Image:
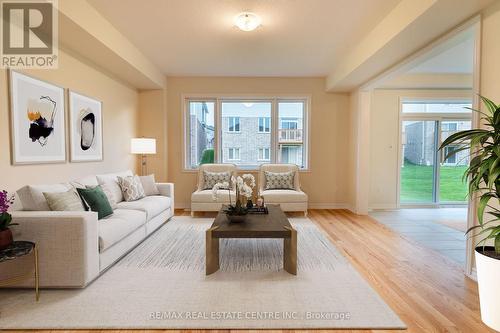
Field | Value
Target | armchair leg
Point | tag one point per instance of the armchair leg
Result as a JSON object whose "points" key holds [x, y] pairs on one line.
{"points": [[192, 214], [305, 213]]}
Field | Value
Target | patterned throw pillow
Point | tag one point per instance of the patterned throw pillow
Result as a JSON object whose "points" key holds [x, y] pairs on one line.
{"points": [[64, 201], [212, 178], [131, 188], [279, 180]]}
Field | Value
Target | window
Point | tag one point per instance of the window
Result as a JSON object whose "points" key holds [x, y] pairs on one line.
{"points": [[449, 127], [291, 133], [234, 124], [264, 154], [249, 138], [453, 158], [426, 106], [233, 154], [264, 125], [200, 133], [243, 132]]}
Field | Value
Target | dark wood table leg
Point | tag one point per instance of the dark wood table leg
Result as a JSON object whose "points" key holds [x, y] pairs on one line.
{"points": [[290, 252], [212, 252]]}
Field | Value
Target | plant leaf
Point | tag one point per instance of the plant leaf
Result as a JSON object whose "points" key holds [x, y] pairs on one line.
{"points": [[482, 205], [497, 243]]}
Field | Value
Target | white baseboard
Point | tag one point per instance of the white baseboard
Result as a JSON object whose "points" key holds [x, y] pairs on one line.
{"points": [[183, 205], [473, 274], [321, 205], [383, 206]]}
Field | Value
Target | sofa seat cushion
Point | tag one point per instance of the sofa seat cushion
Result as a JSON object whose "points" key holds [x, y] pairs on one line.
{"points": [[119, 225], [284, 196], [206, 196], [152, 205]]}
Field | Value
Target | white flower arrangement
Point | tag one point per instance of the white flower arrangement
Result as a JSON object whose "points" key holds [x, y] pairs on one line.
{"points": [[243, 186]]}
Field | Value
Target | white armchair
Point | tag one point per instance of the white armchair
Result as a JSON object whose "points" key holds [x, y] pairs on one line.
{"points": [[290, 200], [202, 199]]}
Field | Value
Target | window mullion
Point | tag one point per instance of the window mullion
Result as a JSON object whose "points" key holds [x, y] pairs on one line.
{"points": [[274, 131]]}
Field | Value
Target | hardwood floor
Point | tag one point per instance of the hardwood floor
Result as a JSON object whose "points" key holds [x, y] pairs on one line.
{"points": [[427, 291]]}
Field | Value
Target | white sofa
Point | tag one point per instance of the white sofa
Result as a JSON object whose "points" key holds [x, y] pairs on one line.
{"points": [[202, 200], [290, 200], [76, 247]]}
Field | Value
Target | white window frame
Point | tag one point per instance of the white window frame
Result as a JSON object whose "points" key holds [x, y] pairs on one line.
{"points": [[219, 126], [234, 124], [234, 149], [262, 157], [264, 121]]}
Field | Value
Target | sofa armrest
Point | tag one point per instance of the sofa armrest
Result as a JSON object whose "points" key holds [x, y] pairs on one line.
{"points": [[167, 190], [67, 242]]}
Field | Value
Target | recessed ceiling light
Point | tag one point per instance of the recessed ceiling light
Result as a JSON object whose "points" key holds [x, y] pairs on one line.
{"points": [[247, 21]]}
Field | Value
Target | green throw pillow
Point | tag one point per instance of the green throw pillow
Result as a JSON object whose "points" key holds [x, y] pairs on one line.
{"points": [[96, 200]]}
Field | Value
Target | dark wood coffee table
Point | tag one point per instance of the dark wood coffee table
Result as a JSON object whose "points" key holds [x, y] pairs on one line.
{"points": [[272, 225]]}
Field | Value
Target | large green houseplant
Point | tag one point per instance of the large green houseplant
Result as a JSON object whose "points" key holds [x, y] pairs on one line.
{"points": [[483, 177]]}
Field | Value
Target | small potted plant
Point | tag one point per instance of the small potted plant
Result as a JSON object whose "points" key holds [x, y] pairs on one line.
{"points": [[243, 187], [483, 176], [5, 220]]}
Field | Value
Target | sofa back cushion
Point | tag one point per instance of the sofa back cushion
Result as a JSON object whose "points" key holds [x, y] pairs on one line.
{"points": [[32, 198], [223, 167], [111, 180], [149, 185], [279, 168]]}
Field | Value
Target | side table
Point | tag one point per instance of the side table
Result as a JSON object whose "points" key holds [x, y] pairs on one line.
{"points": [[15, 251]]}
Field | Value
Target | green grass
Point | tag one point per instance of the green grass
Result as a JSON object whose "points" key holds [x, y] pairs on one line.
{"points": [[416, 183]]}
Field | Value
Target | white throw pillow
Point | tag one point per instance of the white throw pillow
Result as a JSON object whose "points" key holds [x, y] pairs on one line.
{"points": [[131, 188], [149, 185], [111, 180]]}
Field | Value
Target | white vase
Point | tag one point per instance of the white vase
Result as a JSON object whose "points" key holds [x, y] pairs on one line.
{"points": [[488, 275]]}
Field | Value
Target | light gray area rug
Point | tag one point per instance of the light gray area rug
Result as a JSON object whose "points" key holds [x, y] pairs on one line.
{"points": [[162, 284]]}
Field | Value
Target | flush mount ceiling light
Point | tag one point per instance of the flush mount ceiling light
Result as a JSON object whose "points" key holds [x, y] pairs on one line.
{"points": [[247, 21]]}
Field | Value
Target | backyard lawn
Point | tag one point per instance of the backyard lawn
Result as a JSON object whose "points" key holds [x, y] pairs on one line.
{"points": [[416, 184]]}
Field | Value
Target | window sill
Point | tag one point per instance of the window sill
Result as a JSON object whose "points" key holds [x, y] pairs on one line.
{"points": [[238, 168]]}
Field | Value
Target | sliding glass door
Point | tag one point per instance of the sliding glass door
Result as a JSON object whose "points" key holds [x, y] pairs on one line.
{"points": [[451, 187], [427, 177]]}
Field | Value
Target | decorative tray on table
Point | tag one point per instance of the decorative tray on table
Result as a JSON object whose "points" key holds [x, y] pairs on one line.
{"points": [[258, 210]]}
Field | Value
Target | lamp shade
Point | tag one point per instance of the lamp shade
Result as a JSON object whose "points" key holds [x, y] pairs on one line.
{"points": [[143, 146]]}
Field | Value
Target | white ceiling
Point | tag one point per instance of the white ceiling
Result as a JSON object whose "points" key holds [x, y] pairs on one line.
{"points": [[458, 59], [197, 37]]}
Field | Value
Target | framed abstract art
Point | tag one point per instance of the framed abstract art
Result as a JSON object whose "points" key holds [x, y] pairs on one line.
{"points": [[37, 120], [85, 128]]}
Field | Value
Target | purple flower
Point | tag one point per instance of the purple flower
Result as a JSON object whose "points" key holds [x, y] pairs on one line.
{"points": [[5, 201]]}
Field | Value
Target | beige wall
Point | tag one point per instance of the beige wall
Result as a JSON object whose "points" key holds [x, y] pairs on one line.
{"points": [[328, 178], [153, 124], [384, 133], [119, 125], [490, 51]]}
